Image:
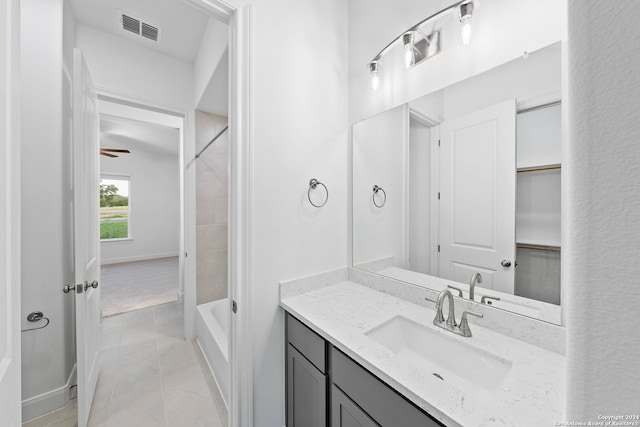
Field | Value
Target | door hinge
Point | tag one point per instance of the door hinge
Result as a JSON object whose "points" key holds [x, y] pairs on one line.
{"points": [[186, 254], [234, 306], [438, 248], [438, 143], [438, 195]]}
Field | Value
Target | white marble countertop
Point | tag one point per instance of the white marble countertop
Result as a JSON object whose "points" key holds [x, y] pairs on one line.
{"points": [[529, 396]]}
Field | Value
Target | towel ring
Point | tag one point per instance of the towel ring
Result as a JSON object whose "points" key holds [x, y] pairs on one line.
{"points": [[376, 189], [313, 183], [36, 316]]}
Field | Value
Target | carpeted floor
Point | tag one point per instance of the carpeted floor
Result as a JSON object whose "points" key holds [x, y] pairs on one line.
{"points": [[130, 286]]}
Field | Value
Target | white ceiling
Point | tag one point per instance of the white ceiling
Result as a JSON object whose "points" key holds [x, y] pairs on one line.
{"points": [[181, 25], [134, 135]]}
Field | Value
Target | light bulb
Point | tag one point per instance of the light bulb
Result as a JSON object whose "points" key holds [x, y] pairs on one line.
{"points": [[465, 32], [373, 70], [409, 56], [409, 50], [465, 12]]}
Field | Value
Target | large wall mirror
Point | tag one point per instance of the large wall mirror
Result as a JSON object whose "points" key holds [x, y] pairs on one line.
{"points": [[464, 184]]}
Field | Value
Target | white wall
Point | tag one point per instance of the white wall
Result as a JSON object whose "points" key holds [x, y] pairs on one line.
{"points": [[300, 131], [502, 31], [379, 158], [130, 70], [48, 355], [602, 252], [213, 46], [154, 208], [537, 77]]}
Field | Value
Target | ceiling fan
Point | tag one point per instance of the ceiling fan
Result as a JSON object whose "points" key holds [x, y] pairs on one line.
{"points": [[109, 151]]}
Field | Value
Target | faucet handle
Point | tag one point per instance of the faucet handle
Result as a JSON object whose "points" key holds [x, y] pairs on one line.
{"points": [[464, 324], [484, 299]]}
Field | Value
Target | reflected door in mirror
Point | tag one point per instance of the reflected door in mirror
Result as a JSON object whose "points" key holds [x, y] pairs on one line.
{"points": [[477, 201]]}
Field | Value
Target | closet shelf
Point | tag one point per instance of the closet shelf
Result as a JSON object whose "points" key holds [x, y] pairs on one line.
{"points": [[538, 247], [539, 168]]}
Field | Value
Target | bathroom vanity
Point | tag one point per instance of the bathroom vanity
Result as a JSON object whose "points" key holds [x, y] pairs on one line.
{"points": [[316, 369], [358, 356]]}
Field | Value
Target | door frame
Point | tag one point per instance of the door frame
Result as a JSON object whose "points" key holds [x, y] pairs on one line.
{"points": [[10, 345], [240, 234], [434, 202], [240, 227]]}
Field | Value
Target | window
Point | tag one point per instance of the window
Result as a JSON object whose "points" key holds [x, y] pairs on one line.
{"points": [[114, 208]]}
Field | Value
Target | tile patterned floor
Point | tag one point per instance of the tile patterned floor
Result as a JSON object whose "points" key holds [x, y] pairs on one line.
{"points": [[134, 285], [65, 417], [150, 375]]}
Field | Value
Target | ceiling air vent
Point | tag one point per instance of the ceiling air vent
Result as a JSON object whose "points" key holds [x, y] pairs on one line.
{"points": [[136, 26], [149, 31], [130, 24]]}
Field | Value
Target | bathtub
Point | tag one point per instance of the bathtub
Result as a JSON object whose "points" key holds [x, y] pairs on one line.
{"points": [[212, 331]]}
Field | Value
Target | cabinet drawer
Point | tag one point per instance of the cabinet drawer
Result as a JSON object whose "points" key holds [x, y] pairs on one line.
{"points": [[381, 402], [307, 342]]}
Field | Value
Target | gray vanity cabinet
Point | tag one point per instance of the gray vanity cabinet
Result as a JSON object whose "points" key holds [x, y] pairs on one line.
{"points": [[325, 387], [307, 380]]}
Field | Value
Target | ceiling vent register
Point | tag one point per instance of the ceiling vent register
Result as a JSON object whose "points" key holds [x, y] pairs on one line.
{"points": [[136, 26]]}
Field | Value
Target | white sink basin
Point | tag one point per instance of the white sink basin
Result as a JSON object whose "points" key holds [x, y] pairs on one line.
{"points": [[454, 362]]}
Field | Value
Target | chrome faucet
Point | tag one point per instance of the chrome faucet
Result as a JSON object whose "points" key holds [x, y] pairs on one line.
{"points": [[450, 324], [451, 318], [476, 278]]}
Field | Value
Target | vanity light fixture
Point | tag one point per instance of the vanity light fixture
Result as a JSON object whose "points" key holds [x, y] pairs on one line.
{"points": [[465, 13], [418, 49], [373, 69]]}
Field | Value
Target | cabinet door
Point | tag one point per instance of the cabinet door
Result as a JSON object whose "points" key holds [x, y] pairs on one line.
{"points": [[345, 413], [306, 392]]}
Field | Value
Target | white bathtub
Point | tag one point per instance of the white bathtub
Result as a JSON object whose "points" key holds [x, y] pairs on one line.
{"points": [[212, 330]]}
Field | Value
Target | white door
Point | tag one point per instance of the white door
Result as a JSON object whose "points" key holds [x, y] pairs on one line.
{"points": [[86, 233], [10, 395], [477, 197]]}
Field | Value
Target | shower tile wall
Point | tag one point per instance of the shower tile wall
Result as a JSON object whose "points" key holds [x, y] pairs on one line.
{"points": [[211, 208]]}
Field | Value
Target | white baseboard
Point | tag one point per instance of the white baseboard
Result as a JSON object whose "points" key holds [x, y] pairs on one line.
{"points": [[137, 258], [44, 403]]}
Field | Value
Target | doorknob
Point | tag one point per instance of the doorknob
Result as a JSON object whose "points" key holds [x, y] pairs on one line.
{"points": [[76, 288], [88, 285], [505, 263]]}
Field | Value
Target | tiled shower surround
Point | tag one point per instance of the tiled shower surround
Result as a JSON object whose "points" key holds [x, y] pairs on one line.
{"points": [[211, 208]]}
